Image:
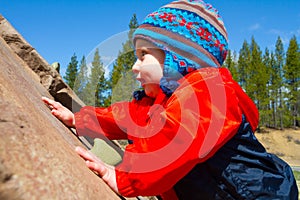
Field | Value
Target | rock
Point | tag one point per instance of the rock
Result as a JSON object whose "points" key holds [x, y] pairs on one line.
{"points": [[37, 157], [106, 152], [56, 66], [49, 77]]}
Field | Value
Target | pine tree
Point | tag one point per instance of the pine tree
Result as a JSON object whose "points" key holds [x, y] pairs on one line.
{"points": [[72, 71], [243, 65], [273, 91], [268, 60], [96, 85], [292, 79], [277, 83], [231, 65], [122, 79], [81, 80], [259, 77]]}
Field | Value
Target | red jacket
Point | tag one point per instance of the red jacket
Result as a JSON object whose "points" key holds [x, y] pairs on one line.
{"points": [[171, 135]]}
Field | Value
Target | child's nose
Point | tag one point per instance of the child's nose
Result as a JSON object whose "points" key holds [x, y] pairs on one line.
{"points": [[136, 67]]}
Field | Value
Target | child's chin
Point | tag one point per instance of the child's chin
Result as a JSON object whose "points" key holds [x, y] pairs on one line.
{"points": [[151, 90], [150, 94]]}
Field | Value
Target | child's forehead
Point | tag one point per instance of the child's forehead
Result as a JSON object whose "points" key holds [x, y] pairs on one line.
{"points": [[141, 43]]}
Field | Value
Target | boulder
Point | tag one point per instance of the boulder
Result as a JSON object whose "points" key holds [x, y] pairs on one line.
{"points": [[48, 76], [37, 157]]}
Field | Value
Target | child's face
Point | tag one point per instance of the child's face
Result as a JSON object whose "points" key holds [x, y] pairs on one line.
{"points": [[149, 66]]}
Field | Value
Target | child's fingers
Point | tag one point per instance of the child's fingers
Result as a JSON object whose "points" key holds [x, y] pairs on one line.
{"points": [[47, 100], [56, 113], [86, 155], [97, 167], [51, 103]]}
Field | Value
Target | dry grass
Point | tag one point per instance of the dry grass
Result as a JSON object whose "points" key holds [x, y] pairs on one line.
{"points": [[284, 143]]}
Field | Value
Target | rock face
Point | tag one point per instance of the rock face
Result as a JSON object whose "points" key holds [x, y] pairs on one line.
{"points": [[37, 157], [48, 76]]}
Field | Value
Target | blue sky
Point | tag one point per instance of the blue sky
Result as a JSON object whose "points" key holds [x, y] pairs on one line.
{"points": [[59, 28]]}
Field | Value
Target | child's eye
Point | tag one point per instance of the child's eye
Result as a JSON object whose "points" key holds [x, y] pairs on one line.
{"points": [[140, 53], [143, 53]]}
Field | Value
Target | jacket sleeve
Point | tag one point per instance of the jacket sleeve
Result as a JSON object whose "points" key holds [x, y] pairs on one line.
{"points": [[197, 120], [93, 121]]}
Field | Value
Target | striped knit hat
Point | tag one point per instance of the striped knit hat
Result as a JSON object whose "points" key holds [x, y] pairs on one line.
{"points": [[192, 34]]}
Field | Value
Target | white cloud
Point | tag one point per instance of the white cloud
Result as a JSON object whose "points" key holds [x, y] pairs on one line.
{"points": [[285, 35], [254, 27], [297, 32], [285, 40], [275, 32]]}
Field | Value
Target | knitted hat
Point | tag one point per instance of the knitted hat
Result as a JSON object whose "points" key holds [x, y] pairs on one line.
{"points": [[192, 34]]}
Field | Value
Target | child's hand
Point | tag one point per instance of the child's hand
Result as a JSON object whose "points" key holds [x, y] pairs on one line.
{"points": [[61, 112], [105, 171]]}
